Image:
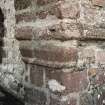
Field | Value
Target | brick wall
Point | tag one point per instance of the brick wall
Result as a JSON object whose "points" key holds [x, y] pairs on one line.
{"points": [[62, 46]]}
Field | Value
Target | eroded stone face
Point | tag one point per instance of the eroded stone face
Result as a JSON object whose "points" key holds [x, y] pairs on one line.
{"points": [[62, 45], [22, 4]]}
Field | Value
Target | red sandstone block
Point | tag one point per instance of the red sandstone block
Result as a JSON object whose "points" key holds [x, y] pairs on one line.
{"points": [[22, 4], [50, 51], [72, 101], [35, 96], [26, 49], [95, 33], [73, 82], [41, 14], [98, 75], [36, 75], [61, 9], [98, 2], [100, 100], [26, 17], [27, 52], [24, 33], [58, 80], [87, 55]]}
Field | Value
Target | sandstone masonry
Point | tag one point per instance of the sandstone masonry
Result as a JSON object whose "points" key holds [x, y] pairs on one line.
{"points": [[54, 51]]}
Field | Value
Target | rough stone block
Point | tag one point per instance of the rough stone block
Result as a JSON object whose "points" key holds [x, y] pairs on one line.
{"points": [[44, 2], [98, 33], [26, 17], [36, 75], [100, 57], [22, 4], [35, 96], [88, 99], [69, 101], [68, 10], [24, 33], [27, 49], [63, 30], [66, 82], [98, 2], [49, 52]]}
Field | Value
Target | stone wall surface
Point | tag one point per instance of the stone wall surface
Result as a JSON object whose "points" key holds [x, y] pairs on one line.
{"points": [[62, 45], [56, 49]]}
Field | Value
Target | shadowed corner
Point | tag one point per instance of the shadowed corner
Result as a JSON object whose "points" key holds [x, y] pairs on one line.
{"points": [[2, 29]]}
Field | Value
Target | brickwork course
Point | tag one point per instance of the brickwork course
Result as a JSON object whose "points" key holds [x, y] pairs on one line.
{"points": [[54, 51]]}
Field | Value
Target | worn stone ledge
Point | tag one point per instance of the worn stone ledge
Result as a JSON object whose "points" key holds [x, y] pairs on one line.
{"points": [[49, 52], [55, 30], [48, 63]]}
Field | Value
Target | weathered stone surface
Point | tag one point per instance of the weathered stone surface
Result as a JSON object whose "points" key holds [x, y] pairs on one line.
{"points": [[101, 99], [35, 96], [86, 99], [49, 52], [95, 34], [89, 14], [41, 14], [88, 52], [27, 52], [36, 75], [24, 33], [26, 16], [86, 57], [72, 101], [73, 82], [98, 2], [22, 4], [100, 77]]}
